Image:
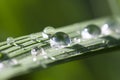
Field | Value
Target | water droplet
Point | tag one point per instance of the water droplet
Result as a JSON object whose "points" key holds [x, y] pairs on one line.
{"points": [[111, 26], [10, 40], [48, 31], [35, 51], [33, 37], [91, 31], [105, 29], [76, 40], [45, 55], [60, 40], [40, 51]]}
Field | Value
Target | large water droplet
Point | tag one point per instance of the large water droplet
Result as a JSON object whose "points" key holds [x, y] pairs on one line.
{"points": [[60, 40], [91, 31], [48, 31]]}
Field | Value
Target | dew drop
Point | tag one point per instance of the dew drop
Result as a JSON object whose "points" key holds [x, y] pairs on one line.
{"points": [[111, 26], [48, 31], [45, 55], [10, 40], [105, 29], [60, 40], [33, 37], [35, 51], [91, 31], [40, 51], [76, 40]]}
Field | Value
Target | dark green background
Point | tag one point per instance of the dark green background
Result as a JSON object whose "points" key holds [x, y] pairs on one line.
{"points": [[21, 17]]}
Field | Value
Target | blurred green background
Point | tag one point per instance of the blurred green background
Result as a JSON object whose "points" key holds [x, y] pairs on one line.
{"points": [[22, 17]]}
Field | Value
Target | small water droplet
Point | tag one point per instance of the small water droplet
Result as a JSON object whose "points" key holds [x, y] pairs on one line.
{"points": [[33, 37], [111, 26], [76, 40], [10, 40], [60, 40], [91, 31], [45, 55], [48, 31], [35, 51], [105, 29]]}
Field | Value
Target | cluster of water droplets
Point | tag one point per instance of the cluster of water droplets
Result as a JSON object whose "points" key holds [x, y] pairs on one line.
{"points": [[38, 51], [59, 39]]}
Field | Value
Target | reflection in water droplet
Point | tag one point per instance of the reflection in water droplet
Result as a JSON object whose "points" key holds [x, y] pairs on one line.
{"points": [[91, 31], [60, 40], [48, 31], [105, 29]]}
